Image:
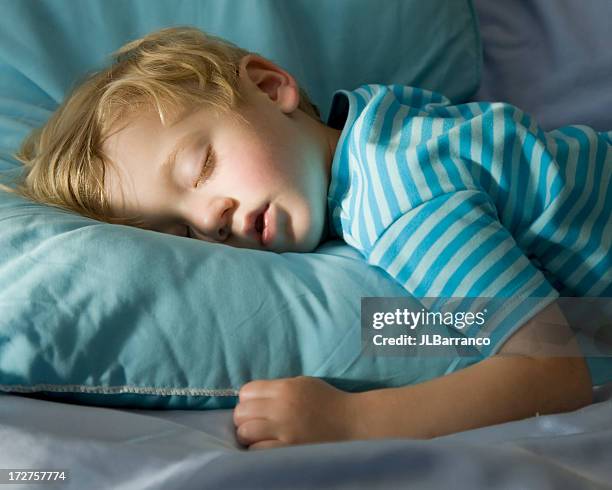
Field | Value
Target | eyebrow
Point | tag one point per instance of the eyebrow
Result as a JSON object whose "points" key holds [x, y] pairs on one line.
{"points": [[167, 167]]}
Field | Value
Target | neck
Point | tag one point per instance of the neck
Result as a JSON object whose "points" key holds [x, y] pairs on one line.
{"points": [[328, 138]]}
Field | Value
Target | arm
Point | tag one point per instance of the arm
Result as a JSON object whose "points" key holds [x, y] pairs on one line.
{"points": [[522, 380]]}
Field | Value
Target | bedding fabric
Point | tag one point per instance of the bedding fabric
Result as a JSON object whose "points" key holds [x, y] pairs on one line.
{"points": [[552, 59], [120, 316], [45, 45], [134, 449]]}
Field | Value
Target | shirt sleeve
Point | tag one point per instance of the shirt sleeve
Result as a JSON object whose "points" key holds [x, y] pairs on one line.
{"points": [[454, 246]]}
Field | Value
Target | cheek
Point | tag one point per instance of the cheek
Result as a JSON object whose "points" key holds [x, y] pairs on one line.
{"points": [[264, 165], [253, 179], [260, 167]]}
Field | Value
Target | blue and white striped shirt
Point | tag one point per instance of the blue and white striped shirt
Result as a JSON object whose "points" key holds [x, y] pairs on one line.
{"points": [[472, 200]]}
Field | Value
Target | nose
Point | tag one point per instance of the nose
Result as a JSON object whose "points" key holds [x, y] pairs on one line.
{"points": [[216, 223]]}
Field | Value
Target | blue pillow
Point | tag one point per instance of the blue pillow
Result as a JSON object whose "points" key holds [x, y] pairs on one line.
{"points": [[118, 316], [326, 45]]}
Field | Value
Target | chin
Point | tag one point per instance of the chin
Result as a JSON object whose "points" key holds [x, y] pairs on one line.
{"points": [[307, 236], [308, 243]]}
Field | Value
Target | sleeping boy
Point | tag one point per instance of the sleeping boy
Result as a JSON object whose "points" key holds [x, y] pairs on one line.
{"points": [[188, 134]]}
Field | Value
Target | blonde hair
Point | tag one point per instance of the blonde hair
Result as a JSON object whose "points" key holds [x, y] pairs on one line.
{"points": [[169, 70]]}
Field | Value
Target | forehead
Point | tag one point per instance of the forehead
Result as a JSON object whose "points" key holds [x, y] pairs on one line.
{"points": [[130, 150]]}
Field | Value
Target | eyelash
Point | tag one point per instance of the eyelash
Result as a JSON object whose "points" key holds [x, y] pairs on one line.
{"points": [[207, 168]]}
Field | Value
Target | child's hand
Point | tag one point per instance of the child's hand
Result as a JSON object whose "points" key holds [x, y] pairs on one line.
{"points": [[291, 411]]}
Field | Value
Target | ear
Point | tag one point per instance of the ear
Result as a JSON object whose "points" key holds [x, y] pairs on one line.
{"points": [[264, 76]]}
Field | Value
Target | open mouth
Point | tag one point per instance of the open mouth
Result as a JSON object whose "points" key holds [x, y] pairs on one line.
{"points": [[256, 224], [259, 223]]}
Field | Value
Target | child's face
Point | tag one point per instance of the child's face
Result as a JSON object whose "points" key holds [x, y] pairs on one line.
{"points": [[264, 186]]}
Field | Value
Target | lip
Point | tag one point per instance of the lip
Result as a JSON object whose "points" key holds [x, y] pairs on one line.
{"points": [[251, 219], [269, 231]]}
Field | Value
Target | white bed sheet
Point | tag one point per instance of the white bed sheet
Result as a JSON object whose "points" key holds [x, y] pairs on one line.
{"points": [[133, 449]]}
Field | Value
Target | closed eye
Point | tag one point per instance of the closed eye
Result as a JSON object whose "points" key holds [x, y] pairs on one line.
{"points": [[207, 167]]}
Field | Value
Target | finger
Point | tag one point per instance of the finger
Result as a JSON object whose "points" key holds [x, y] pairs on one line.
{"points": [[260, 388], [255, 430], [266, 444], [258, 408]]}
